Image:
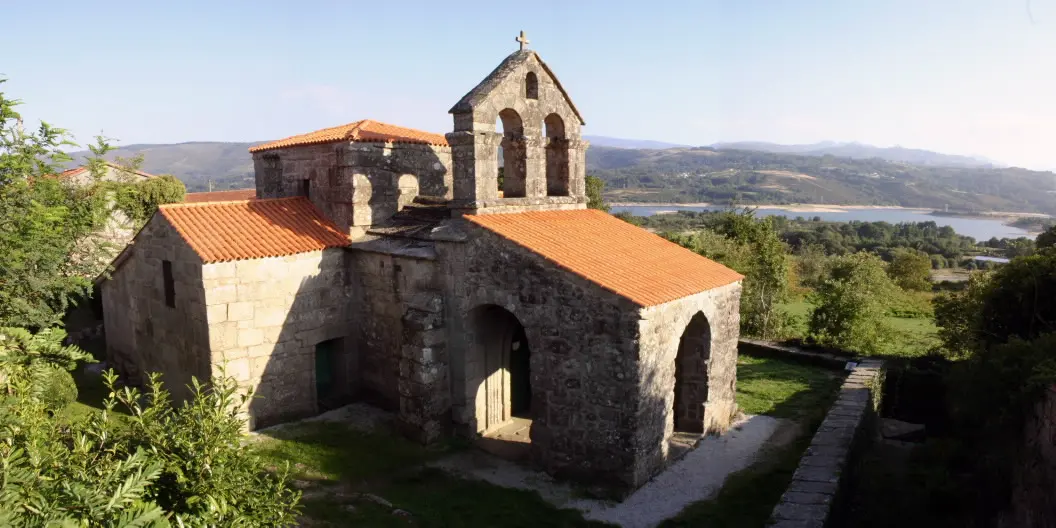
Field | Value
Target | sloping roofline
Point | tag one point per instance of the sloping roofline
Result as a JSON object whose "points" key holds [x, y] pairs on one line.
{"points": [[499, 74], [365, 130]]}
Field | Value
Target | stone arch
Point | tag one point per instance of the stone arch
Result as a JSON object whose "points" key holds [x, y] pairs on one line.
{"points": [[514, 155], [557, 179], [498, 377], [691, 375], [406, 189], [531, 86]]}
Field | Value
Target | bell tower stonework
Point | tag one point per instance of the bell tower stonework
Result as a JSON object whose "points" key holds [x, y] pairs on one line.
{"points": [[543, 155]]}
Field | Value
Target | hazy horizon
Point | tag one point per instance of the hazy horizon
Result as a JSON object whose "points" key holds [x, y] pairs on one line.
{"points": [[967, 77]]}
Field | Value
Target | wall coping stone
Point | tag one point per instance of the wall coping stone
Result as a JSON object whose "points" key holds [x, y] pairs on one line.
{"points": [[808, 500]]}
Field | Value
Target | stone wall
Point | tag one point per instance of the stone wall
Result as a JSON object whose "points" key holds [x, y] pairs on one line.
{"points": [[583, 356], [266, 317], [1034, 489], [662, 328], [386, 287], [812, 496], [143, 333], [355, 184]]}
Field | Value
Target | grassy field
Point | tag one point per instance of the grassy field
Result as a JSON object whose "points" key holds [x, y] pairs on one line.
{"points": [[910, 337]]}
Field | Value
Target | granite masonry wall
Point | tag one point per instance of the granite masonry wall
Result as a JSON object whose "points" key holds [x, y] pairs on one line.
{"points": [[143, 333], [583, 345], [266, 317], [525, 141], [814, 492], [400, 339], [662, 328], [355, 184]]}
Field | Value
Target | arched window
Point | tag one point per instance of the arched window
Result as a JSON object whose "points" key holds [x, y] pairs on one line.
{"points": [[514, 155], [557, 180], [531, 86]]}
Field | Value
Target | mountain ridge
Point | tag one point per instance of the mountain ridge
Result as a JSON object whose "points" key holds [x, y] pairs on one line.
{"points": [[694, 174]]}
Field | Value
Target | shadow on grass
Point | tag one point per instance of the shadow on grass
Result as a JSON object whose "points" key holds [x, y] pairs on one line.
{"points": [[337, 467]]}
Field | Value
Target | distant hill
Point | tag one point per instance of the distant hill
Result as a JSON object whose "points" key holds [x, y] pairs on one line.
{"points": [[863, 151], [603, 141], [228, 165], [706, 174]]}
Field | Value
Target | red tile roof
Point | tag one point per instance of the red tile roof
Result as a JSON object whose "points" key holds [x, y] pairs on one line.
{"points": [[77, 170], [72, 172], [249, 229], [622, 258], [220, 196], [365, 130]]}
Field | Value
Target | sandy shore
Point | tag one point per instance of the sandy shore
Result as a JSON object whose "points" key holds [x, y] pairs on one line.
{"points": [[834, 208], [796, 208]]}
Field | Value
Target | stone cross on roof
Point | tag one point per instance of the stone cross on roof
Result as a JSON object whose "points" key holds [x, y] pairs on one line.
{"points": [[523, 40]]}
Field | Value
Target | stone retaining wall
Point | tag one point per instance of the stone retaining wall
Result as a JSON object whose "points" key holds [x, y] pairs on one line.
{"points": [[810, 498]]}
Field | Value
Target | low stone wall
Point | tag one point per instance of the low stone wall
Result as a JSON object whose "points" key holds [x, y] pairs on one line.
{"points": [[813, 493], [757, 347]]}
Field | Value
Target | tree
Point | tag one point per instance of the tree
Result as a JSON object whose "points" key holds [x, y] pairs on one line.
{"points": [[959, 316], [910, 269], [750, 246], [595, 186], [41, 222], [850, 305], [1047, 239]]}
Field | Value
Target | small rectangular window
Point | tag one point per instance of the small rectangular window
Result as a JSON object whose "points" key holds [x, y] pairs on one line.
{"points": [[170, 286], [306, 187]]}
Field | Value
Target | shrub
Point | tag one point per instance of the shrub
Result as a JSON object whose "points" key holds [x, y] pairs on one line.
{"points": [[850, 305], [165, 465], [58, 389]]}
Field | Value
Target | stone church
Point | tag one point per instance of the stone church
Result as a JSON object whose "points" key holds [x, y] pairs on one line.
{"points": [[384, 264]]}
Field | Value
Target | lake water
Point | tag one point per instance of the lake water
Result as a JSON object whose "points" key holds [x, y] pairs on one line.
{"points": [[977, 228]]}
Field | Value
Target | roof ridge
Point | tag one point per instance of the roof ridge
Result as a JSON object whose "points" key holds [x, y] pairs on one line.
{"points": [[229, 202]]}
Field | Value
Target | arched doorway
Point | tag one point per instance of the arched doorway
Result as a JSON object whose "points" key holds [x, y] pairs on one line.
{"points": [[499, 368], [691, 375]]}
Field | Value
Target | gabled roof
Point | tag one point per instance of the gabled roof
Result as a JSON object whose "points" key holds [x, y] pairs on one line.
{"points": [[249, 229], [622, 258], [499, 74], [366, 130], [220, 196]]}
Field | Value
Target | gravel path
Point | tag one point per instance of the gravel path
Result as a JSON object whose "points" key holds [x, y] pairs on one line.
{"points": [[698, 476]]}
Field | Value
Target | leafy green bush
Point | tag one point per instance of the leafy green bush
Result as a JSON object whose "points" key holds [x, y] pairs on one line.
{"points": [[164, 465], [59, 389], [850, 305]]}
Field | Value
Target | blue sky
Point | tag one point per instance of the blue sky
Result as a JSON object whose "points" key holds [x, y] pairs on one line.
{"points": [[959, 76]]}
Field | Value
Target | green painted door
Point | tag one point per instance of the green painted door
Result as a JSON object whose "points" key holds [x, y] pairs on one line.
{"points": [[324, 374]]}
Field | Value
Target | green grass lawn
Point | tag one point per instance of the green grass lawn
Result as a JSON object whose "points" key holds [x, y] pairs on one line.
{"points": [[910, 337], [783, 389], [334, 464]]}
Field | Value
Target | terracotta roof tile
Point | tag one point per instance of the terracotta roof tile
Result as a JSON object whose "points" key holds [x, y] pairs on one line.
{"points": [[620, 257], [249, 229], [220, 196], [365, 130]]}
